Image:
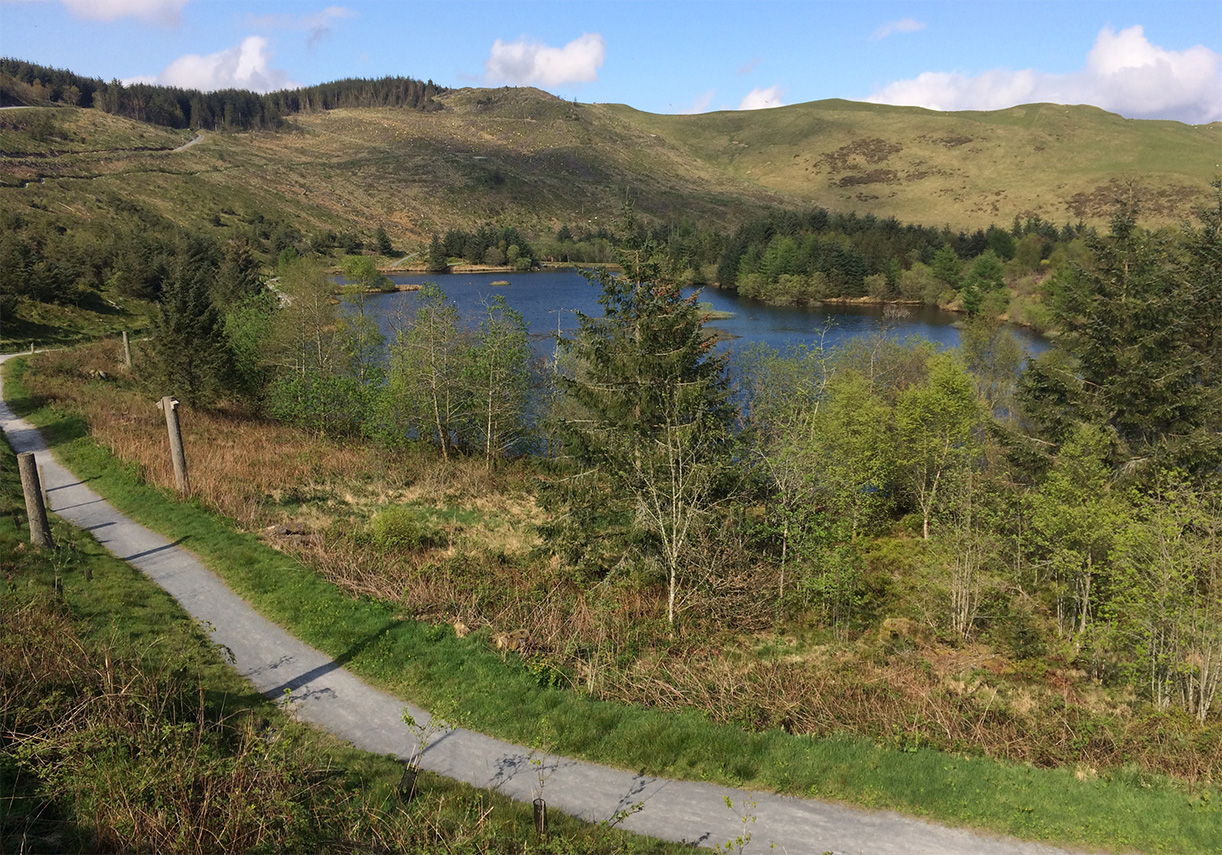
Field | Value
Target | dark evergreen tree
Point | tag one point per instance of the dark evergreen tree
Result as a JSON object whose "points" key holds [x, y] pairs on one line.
{"points": [[1142, 325], [438, 260], [239, 275], [191, 351], [382, 241], [647, 424]]}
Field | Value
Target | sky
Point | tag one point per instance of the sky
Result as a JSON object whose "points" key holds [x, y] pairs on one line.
{"points": [[1156, 59]]}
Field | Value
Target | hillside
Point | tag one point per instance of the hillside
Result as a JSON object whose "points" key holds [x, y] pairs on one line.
{"points": [[966, 169], [526, 157]]}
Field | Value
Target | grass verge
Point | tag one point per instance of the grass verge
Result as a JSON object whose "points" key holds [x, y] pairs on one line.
{"points": [[505, 697], [122, 729]]}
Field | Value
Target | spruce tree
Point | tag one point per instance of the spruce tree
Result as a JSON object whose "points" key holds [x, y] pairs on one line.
{"points": [[646, 428], [1141, 328], [193, 360]]}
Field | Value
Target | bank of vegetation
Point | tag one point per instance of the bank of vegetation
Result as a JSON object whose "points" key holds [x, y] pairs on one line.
{"points": [[927, 551], [122, 729]]}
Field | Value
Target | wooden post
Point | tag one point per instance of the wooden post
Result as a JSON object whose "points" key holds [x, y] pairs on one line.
{"points": [[170, 407], [35, 509], [31, 347], [127, 351]]}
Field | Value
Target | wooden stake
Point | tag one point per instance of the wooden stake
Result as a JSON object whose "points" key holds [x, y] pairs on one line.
{"points": [[35, 508], [170, 407], [127, 351]]}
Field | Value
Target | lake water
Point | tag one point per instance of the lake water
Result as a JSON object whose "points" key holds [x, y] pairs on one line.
{"points": [[551, 299]]}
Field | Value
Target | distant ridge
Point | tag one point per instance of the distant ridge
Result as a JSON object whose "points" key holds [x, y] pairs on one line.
{"points": [[27, 84], [416, 159]]}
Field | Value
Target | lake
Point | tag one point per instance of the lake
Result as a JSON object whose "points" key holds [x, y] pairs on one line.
{"points": [[550, 300]]}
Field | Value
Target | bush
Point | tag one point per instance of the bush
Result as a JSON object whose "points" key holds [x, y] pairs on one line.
{"points": [[401, 528]]}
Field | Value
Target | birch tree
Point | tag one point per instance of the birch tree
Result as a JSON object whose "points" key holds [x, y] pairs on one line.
{"points": [[499, 378], [427, 395], [936, 421]]}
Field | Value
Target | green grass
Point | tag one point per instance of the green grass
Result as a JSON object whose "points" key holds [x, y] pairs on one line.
{"points": [[119, 612], [504, 697], [98, 316]]}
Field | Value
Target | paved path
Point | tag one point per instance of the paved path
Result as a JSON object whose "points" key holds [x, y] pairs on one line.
{"points": [[335, 700]]}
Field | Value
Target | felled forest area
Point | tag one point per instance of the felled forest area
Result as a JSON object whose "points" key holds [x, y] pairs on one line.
{"points": [[958, 549]]}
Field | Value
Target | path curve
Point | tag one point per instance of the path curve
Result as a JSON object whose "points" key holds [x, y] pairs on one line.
{"points": [[199, 138], [330, 697]]}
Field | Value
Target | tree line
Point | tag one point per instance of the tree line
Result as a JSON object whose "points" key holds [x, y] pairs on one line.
{"points": [[795, 258], [489, 244], [223, 110]]}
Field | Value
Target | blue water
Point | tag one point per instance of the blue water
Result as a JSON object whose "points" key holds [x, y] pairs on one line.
{"points": [[550, 300]]}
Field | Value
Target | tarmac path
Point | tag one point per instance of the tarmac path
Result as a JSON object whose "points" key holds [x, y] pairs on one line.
{"points": [[328, 696]]}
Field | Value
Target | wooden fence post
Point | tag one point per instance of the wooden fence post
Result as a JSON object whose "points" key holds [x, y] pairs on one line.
{"points": [[170, 406], [127, 351], [35, 509]]}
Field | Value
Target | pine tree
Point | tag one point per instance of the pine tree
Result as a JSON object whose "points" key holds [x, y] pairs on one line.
{"points": [[438, 262]]}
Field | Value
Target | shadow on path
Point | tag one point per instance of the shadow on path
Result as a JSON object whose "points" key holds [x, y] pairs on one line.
{"points": [[338, 662], [153, 551]]}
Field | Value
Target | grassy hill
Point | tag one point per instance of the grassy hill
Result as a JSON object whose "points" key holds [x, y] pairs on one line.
{"points": [[525, 157], [966, 169]]}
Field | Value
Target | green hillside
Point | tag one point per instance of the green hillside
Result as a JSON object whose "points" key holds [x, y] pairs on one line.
{"points": [[523, 156], [965, 169]]}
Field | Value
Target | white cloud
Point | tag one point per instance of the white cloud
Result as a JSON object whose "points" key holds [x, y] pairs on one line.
{"points": [[1124, 73], [701, 104], [247, 66], [749, 65], [318, 25], [761, 99], [904, 25], [528, 63], [165, 12]]}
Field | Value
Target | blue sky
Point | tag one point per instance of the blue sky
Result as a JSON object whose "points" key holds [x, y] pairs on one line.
{"points": [[1152, 59]]}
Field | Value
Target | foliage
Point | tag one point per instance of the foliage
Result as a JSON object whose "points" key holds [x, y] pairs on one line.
{"points": [[1074, 516], [496, 371], [301, 349], [1143, 364], [399, 527], [936, 423], [362, 271], [426, 397], [191, 353], [650, 417], [488, 244], [854, 475], [1168, 601]]}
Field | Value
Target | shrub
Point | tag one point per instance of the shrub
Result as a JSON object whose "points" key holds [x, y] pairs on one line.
{"points": [[401, 528]]}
